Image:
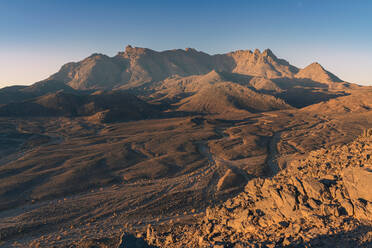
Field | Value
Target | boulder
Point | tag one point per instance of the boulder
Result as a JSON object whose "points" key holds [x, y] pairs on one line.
{"points": [[358, 182], [314, 189]]}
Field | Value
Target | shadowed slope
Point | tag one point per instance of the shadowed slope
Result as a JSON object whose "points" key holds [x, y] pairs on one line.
{"points": [[110, 106], [22, 93]]}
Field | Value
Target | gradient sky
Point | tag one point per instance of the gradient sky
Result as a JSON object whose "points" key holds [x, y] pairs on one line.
{"points": [[38, 36]]}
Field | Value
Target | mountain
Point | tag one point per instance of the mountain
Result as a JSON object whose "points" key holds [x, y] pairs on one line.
{"points": [[317, 73], [137, 66], [134, 66], [184, 77]]}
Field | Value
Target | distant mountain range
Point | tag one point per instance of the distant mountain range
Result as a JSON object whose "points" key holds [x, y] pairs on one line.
{"points": [[187, 81], [137, 66]]}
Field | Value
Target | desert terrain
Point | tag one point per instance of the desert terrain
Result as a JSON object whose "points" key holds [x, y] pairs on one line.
{"points": [[180, 148]]}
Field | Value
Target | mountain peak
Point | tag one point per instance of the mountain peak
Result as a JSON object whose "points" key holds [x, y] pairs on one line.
{"points": [[257, 51], [97, 56], [317, 73], [315, 65], [128, 48], [190, 49], [214, 75], [268, 53], [135, 50], [264, 64]]}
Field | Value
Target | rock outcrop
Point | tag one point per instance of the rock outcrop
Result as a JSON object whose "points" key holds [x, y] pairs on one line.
{"points": [[324, 200]]}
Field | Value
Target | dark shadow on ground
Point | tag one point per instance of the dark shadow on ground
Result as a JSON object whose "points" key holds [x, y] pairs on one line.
{"points": [[359, 237]]}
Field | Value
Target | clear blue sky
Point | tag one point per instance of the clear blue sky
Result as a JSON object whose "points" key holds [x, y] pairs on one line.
{"points": [[39, 36]]}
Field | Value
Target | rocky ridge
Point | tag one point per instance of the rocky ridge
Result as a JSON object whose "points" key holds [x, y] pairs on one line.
{"points": [[137, 66], [321, 201]]}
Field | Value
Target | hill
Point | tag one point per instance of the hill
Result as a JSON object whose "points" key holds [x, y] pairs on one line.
{"points": [[356, 102], [227, 97], [105, 106]]}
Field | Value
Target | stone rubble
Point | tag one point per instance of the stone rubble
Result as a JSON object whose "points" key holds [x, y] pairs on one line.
{"points": [[324, 200]]}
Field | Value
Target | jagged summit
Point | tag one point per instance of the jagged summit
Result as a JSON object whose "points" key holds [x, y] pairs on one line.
{"points": [[268, 53], [129, 49], [135, 50], [261, 64], [136, 66]]}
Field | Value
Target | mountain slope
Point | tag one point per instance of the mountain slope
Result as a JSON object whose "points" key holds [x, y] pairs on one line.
{"points": [[175, 88], [111, 106], [264, 84], [357, 102], [23, 93], [317, 73], [214, 93], [227, 97], [264, 64], [96, 71], [13, 93]]}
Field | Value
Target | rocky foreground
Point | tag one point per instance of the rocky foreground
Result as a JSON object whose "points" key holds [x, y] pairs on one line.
{"points": [[324, 200]]}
